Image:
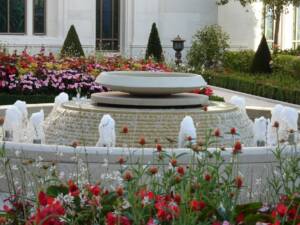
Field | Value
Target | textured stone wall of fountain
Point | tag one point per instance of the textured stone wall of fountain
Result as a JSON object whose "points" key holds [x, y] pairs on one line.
{"points": [[151, 105]]}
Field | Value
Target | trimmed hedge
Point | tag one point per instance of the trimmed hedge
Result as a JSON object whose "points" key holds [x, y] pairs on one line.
{"points": [[287, 64], [254, 88], [8, 99]]}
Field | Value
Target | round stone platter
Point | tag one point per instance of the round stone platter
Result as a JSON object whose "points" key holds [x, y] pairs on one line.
{"points": [[150, 83], [125, 99]]}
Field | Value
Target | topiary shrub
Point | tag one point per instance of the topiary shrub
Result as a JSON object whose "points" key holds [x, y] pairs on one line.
{"points": [[262, 58], [154, 48], [72, 46], [208, 47]]}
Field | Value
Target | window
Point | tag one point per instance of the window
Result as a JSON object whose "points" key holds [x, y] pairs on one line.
{"points": [[296, 41], [12, 16], [107, 25], [269, 26], [39, 16]]}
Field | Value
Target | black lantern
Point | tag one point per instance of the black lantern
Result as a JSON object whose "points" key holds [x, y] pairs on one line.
{"points": [[178, 46]]}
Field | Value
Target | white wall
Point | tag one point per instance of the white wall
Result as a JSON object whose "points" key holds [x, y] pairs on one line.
{"points": [[173, 17], [243, 24]]}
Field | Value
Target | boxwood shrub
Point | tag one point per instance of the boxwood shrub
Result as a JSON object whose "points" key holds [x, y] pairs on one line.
{"points": [[254, 87]]}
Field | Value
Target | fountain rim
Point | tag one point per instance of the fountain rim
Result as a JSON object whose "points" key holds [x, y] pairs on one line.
{"points": [[88, 106]]}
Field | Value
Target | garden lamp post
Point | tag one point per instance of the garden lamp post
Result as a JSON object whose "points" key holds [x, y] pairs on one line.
{"points": [[178, 46]]}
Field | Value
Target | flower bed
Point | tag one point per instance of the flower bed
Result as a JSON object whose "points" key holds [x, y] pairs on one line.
{"points": [[44, 74], [205, 190]]}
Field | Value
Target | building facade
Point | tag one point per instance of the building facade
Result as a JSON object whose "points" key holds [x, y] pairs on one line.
{"points": [[123, 26]]}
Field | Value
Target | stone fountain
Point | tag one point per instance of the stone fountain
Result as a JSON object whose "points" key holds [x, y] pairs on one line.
{"points": [[151, 105]]}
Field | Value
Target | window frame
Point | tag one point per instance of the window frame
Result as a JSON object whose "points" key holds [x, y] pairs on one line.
{"points": [[296, 22], [8, 21], [112, 40], [269, 41], [45, 20]]}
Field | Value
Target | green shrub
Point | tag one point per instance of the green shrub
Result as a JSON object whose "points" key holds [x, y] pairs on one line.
{"points": [[9, 99], [208, 47], [287, 64], [238, 60], [154, 48], [278, 86], [72, 46], [262, 58]]}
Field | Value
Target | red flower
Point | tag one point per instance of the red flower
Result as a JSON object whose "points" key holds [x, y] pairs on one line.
{"points": [[180, 170], [167, 210], [73, 189], [239, 182], [125, 130], [120, 191], [237, 148], [281, 209], [142, 141], [216, 223], [95, 190], [127, 175], [233, 131], [197, 205], [158, 147], [152, 222], [207, 177], [43, 200], [113, 219], [177, 198], [189, 138], [49, 213], [276, 124], [173, 162], [217, 132], [121, 161], [240, 218], [153, 170]]}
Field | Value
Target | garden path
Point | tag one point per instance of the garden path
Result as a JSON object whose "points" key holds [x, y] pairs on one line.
{"points": [[251, 100]]}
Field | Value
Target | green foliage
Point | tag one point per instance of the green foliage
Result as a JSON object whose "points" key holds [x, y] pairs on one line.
{"points": [[238, 60], [295, 52], [72, 46], [8, 99], [216, 98], [208, 47], [287, 64], [279, 86], [262, 58], [154, 48]]}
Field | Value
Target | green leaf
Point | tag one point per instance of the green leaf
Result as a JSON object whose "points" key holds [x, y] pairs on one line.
{"points": [[54, 191]]}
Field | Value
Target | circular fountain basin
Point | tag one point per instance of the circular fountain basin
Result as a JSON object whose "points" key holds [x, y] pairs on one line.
{"points": [[151, 83], [125, 99], [80, 120]]}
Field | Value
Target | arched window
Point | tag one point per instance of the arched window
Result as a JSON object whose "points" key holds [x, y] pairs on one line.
{"points": [[12, 16], [296, 41], [107, 25], [39, 17]]}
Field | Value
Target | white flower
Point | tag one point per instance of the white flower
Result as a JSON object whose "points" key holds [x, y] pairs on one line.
{"points": [[14, 167], [62, 175], [18, 153], [105, 163]]}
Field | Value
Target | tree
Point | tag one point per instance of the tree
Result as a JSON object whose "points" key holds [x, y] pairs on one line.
{"points": [[208, 47], [72, 46], [276, 6], [262, 58], [154, 48]]}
